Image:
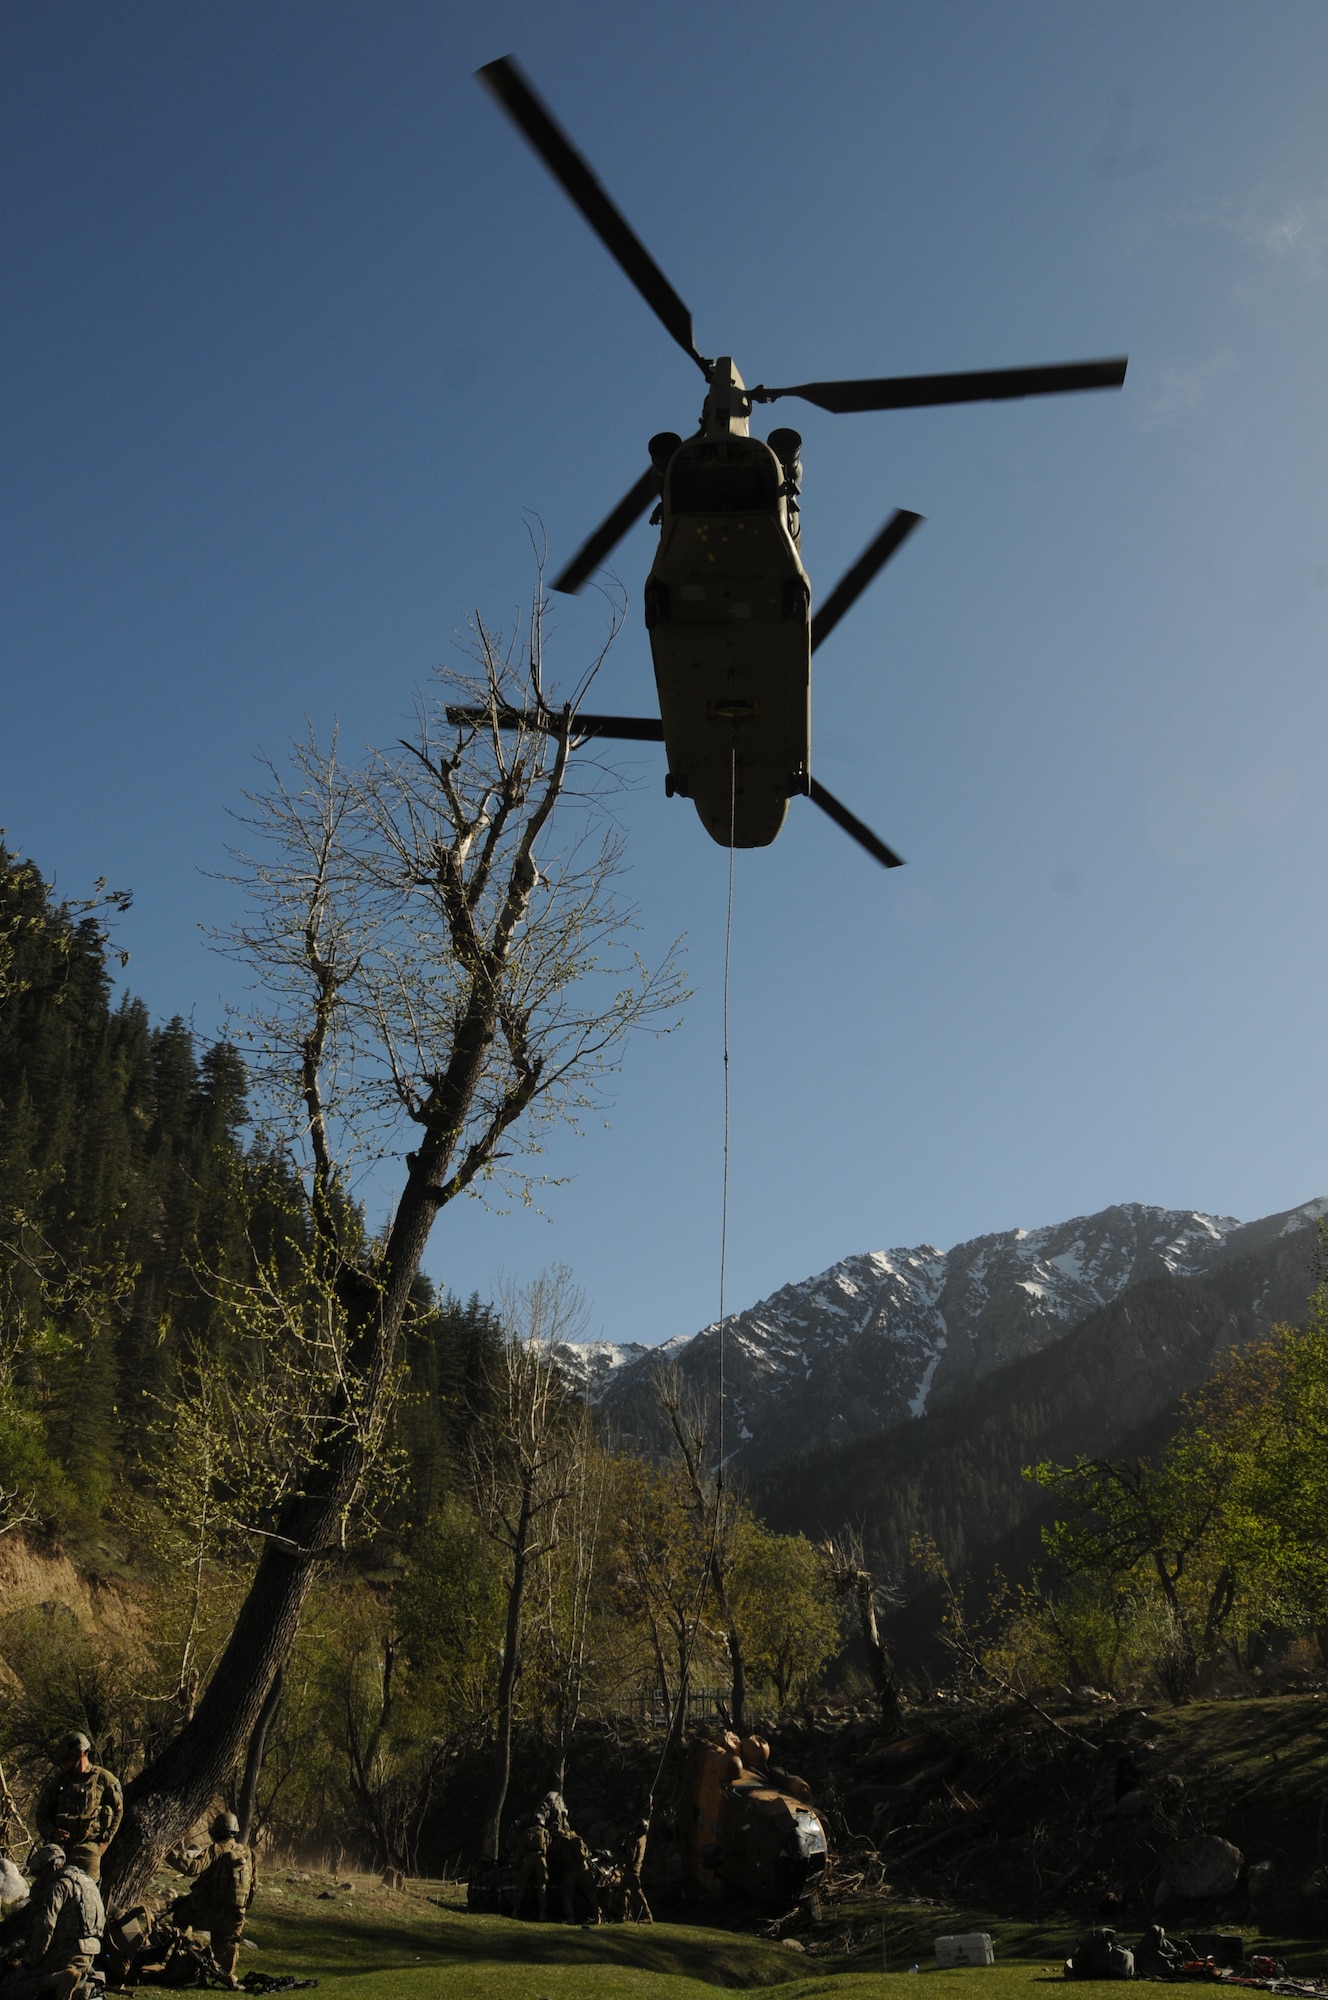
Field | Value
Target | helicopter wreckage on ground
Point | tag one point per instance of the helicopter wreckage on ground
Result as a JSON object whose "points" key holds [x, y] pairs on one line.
{"points": [[728, 604]]}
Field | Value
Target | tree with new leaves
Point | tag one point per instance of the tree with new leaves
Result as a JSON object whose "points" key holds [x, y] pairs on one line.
{"points": [[786, 1605], [438, 949]]}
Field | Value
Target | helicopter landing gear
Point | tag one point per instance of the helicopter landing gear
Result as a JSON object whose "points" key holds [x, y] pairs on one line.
{"points": [[676, 787]]}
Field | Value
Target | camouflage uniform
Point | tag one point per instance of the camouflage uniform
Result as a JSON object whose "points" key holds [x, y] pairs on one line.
{"points": [[577, 1876], [533, 1848], [629, 1904], [220, 1897], [64, 1935], [81, 1810]]}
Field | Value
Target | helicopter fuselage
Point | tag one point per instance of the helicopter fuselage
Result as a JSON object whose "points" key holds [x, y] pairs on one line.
{"points": [[727, 607]]}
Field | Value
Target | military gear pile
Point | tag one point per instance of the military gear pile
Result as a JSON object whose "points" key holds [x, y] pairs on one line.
{"points": [[1099, 1956]]}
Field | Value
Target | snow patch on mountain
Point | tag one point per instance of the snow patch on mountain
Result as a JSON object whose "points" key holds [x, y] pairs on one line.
{"points": [[891, 1334]]}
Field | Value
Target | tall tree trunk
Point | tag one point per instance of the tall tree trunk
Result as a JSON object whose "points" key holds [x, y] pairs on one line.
{"points": [[246, 1805], [511, 1668], [182, 1782]]}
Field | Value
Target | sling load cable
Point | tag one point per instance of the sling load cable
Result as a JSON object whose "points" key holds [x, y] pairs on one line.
{"points": [[716, 1545]]}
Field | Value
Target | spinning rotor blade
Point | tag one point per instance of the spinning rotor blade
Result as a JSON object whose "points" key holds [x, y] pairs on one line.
{"points": [[631, 728], [852, 826], [993, 385], [505, 81], [608, 534], [854, 581]]}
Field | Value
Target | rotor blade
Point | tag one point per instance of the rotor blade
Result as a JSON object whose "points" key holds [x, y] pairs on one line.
{"points": [[993, 385], [505, 81], [852, 826], [608, 534], [631, 728], [628, 728], [854, 581]]}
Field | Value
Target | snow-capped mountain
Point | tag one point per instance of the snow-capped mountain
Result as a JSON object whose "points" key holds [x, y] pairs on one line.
{"points": [[888, 1335], [590, 1365]]}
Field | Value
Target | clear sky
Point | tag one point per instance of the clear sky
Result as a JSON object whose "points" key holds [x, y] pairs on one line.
{"points": [[296, 333]]}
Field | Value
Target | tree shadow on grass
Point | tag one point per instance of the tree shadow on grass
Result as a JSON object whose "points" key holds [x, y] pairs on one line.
{"points": [[357, 1947]]}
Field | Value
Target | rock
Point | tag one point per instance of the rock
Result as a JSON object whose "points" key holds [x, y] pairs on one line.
{"points": [[1315, 1883], [1205, 1866], [1132, 1805], [793, 1944], [13, 1888]]}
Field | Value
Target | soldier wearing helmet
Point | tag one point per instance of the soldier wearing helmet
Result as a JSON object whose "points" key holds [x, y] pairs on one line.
{"points": [[80, 1805], [223, 1890], [630, 1905], [64, 1929], [533, 1873]]}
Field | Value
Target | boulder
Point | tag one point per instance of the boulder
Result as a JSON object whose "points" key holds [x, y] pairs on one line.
{"points": [[1132, 1805], [1203, 1867]]}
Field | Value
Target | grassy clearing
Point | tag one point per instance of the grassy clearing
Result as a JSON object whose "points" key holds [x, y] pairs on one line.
{"points": [[373, 1944]]}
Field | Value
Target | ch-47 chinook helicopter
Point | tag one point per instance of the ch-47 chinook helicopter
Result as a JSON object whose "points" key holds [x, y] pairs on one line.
{"points": [[728, 602]]}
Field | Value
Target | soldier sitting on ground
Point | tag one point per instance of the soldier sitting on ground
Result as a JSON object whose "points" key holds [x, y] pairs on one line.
{"points": [[65, 1925], [630, 1905], [533, 1849], [80, 1806], [222, 1892]]}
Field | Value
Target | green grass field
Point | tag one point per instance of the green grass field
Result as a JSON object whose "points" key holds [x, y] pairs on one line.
{"points": [[373, 1944]]}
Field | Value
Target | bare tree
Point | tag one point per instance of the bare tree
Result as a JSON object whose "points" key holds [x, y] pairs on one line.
{"points": [[438, 948], [568, 1594], [523, 1466], [846, 1566], [690, 1427]]}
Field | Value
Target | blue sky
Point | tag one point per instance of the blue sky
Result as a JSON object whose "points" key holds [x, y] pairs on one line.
{"points": [[296, 333]]}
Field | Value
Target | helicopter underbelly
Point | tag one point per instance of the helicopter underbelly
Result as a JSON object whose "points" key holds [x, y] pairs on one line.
{"points": [[727, 605]]}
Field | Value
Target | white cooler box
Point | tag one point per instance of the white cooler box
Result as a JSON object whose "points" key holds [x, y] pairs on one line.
{"points": [[973, 1948]]}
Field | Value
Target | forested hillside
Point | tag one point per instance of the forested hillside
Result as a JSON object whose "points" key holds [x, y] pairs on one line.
{"points": [[956, 1473], [132, 1195]]}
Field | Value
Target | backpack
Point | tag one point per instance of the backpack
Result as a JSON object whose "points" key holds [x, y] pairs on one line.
{"points": [[1098, 1956]]}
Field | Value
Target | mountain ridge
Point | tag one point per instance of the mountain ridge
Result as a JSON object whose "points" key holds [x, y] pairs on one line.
{"points": [[887, 1336]]}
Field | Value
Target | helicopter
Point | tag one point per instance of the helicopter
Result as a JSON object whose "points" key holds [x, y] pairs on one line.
{"points": [[728, 603]]}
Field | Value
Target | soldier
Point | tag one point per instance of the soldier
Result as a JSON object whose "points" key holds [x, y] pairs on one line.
{"points": [[64, 1931], [533, 1848], [80, 1805], [630, 1905], [222, 1892], [578, 1876]]}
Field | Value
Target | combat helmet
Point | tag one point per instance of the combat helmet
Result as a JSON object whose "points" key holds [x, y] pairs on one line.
{"points": [[75, 1744], [49, 1856], [225, 1827]]}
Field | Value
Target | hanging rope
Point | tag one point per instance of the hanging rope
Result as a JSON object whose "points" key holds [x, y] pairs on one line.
{"points": [[724, 1193], [716, 1531]]}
